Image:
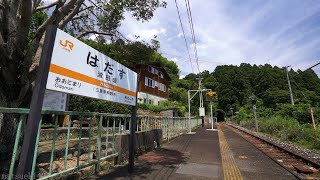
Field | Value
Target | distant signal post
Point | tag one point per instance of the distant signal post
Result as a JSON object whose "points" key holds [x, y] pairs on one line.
{"points": [[211, 96]]}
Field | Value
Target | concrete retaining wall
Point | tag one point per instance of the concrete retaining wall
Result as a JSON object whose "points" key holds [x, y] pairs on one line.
{"points": [[145, 141]]}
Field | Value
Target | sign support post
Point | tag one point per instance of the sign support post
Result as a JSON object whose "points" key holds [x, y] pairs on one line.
{"points": [[29, 139], [133, 132], [132, 138]]}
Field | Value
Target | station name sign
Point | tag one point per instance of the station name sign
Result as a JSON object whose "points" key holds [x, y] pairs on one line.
{"points": [[77, 68]]}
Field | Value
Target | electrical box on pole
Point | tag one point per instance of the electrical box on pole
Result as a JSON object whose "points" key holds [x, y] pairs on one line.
{"points": [[201, 111]]}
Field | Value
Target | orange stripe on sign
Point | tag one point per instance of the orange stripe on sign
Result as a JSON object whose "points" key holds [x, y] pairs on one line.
{"points": [[81, 77]]}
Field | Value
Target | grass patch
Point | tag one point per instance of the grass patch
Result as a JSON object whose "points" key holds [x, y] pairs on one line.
{"points": [[289, 129]]}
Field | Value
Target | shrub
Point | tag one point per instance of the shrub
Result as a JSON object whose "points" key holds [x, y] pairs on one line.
{"points": [[275, 125], [311, 136], [299, 112], [85, 104], [164, 105], [289, 129]]}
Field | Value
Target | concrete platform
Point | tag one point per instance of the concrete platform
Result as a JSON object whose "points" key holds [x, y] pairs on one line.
{"points": [[220, 154], [253, 164]]}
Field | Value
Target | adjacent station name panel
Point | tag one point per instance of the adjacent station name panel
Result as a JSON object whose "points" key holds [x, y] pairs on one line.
{"points": [[76, 68], [54, 101]]}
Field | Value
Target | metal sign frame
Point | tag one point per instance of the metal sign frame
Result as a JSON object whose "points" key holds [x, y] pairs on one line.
{"points": [[29, 140], [77, 68]]}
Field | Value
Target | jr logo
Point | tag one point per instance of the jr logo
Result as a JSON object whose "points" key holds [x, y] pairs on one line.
{"points": [[67, 45]]}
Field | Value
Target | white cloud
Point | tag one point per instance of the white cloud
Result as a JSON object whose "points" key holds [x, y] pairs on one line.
{"points": [[231, 32], [147, 34], [93, 37], [174, 59]]}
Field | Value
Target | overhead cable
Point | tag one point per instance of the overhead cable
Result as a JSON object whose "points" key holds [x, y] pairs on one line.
{"points": [[184, 36], [193, 34]]}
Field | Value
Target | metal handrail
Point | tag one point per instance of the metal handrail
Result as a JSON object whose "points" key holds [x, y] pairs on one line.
{"points": [[103, 133]]}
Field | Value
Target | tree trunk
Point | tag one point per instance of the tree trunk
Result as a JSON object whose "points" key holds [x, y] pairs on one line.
{"points": [[8, 134], [14, 93]]}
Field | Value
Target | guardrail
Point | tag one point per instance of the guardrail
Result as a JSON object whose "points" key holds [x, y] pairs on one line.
{"points": [[96, 141]]}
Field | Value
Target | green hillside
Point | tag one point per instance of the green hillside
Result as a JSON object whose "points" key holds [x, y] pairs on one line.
{"points": [[235, 84]]}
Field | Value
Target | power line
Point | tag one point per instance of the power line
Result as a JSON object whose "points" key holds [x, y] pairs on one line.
{"points": [[200, 60], [311, 67], [184, 35], [193, 34], [120, 35]]}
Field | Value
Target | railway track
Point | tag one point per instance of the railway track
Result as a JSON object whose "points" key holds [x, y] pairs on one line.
{"points": [[301, 167]]}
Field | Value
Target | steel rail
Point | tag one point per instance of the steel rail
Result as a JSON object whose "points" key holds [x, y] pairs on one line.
{"points": [[305, 160]]}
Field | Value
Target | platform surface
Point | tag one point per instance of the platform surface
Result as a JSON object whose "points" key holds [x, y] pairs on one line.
{"points": [[219, 154]]}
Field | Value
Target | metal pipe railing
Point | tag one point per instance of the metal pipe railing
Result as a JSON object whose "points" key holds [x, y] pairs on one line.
{"points": [[97, 123]]}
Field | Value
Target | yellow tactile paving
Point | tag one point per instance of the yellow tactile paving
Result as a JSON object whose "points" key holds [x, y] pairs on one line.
{"points": [[230, 169]]}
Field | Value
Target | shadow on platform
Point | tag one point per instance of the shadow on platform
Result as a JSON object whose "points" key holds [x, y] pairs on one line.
{"points": [[149, 163]]}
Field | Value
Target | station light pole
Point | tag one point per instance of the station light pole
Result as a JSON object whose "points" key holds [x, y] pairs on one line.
{"points": [[201, 108], [189, 100]]}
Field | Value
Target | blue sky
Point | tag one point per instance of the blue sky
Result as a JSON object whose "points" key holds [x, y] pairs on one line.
{"points": [[278, 32]]}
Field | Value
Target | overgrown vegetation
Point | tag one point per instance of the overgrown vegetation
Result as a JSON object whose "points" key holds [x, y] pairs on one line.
{"points": [[288, 129], [276, 116], [288, 123], [164, 105], [83, 104]]}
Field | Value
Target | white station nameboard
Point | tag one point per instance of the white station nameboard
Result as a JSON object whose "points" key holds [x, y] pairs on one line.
{"points": [[76, 68]]}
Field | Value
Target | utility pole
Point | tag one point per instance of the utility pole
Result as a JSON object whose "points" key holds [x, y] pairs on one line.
{"points": [[290, 90], [313, 122], [200, 94], [254, 107], [255, 117], [201, 100], [231, 114]]}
